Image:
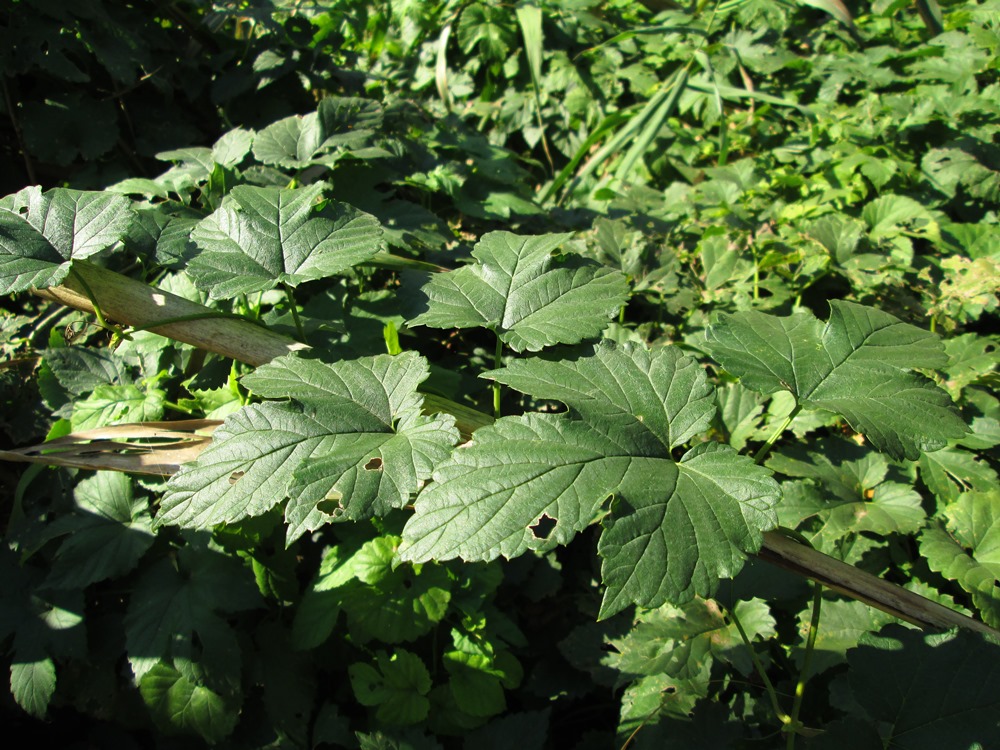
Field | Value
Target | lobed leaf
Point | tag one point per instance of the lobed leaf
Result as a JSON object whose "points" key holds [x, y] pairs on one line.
{"points": [[677, 526], [42, 233], [108, 534], [925, 691], [517, 288], [178, 703], [857, 365], [262, 237], [968, 550], [353, 444], [175, 614], [686, 530], [397, 687], [297, 142]]}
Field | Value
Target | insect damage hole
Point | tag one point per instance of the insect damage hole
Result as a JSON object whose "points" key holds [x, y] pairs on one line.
{"points": [[332, 504], [374, 464], [543, 526], [236, 476]]}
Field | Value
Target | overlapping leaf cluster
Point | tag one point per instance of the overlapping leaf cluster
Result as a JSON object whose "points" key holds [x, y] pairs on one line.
{"points": [[596, 295]]}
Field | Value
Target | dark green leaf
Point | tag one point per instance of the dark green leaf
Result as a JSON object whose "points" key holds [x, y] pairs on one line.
{"points": [[109, 532], [925, 692], [174, 613], [398, 687], [263, 237], [179, 705]]}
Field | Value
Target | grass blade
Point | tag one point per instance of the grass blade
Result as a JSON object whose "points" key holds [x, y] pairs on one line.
{"points": [[441, 68], [653, 117]]}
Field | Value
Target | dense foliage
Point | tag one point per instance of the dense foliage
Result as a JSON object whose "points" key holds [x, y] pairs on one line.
{"points": [[594, 296]]}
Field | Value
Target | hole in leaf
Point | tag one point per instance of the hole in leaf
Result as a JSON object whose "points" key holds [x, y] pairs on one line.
{"points": [[331, 504], [543, 527], [374, 465], [236, 476]]}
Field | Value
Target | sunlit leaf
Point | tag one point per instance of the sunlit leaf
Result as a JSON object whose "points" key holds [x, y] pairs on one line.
{"points": [[534, 481], [530, 298], [858, 365], [353, 443], [263, 237], [42, 233]]}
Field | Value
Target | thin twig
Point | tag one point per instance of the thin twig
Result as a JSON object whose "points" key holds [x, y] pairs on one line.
{"points": [[29, 167]]}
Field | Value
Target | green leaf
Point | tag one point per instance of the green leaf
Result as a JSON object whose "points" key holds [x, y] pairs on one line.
{"points": [[398, 603], [925, 692], [42, 233], [519, 289], [299, 141], [474, 683], [81, 369], [969, 550], [688, 530], [888, 214], [174, 614], [857, 365], [532, 482], [114, 404], [741, 412], [33, 683], [179, 705], [262, 237], [948, 168], [488, 27], [848, 493], [315, 618], [398, 687], [951, 471], [971, 358], [683, 641], [232, 147], [109, 532], [659, 696], [842, 625], [353, 444]]}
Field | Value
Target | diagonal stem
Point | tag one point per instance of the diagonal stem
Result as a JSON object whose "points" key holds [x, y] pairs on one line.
{"points": [[497, 363], [800, 686], [762, 452]]}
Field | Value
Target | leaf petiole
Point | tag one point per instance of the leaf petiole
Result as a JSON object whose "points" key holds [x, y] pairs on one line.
{"points": [[293, 305], [800, 685], [772, 694], [762, 452], [497, 363]]}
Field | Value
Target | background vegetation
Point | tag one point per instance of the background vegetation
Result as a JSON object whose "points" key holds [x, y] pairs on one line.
{"points": [[669, 181]]}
